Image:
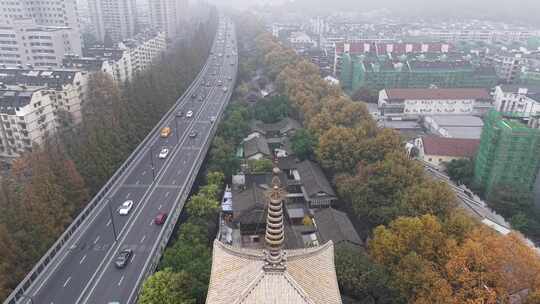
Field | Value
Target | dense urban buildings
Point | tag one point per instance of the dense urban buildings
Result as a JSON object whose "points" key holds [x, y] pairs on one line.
{"points": [[168, 15], [113, 20], [124, 61], [508, 154]]}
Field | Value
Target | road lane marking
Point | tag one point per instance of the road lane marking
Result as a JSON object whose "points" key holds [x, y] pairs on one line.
{"points": [[120, 282], [138, 182], [178, 172], [151, 222], [128, 195], [67, 281], [110, 256], [144, 237], [167, 193], [82, 260], [133, 257], [174, 182], [144, 173], [97, 239], [159, 208], [108, 223]]}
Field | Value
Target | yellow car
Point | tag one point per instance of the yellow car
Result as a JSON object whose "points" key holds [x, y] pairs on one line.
{"points": [[165, 132]]}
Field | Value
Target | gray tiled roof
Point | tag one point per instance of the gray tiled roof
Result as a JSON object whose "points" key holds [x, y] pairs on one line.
{"points": [[283, 126], [335, 225], [238, 276], [256, 145], [313, 179]]}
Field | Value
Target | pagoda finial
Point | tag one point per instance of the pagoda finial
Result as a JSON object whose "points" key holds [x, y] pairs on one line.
{"points": [[275, 234]]}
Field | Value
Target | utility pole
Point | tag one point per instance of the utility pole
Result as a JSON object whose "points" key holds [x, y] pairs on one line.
{"points": [[112, 220], [177, 132], [152, 163]]}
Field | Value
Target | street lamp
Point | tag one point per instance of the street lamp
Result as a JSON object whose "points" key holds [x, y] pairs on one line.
{"points": [[112, 219], [24, 296], [152, 162], [177, 132]]}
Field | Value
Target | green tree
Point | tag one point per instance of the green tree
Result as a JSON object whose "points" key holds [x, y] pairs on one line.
{"points": [[272, 110], [361, 279], [461, 171], [202, 206], [223, 157], [303, 144], [366, 95], [167, 287], [215, 178], [260, 165]]}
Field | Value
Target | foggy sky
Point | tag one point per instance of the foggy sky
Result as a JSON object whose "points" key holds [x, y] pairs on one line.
{"points": [[503, 10]]}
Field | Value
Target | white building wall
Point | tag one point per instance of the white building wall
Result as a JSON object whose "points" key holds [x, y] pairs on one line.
{"points": [[519, 104], [116, 18]]}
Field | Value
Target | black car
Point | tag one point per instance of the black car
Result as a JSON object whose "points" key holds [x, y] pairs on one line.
{"points": [[123, 258]]}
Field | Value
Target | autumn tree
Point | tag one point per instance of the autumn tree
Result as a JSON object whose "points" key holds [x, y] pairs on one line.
{"points": [[167, 287], [340, 149]]}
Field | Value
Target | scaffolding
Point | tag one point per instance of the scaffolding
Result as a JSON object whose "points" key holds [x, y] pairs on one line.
{"points": [[509, 154]]}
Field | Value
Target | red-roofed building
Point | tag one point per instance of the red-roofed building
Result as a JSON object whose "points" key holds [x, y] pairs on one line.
{"points": [[440, 150], [420, 102]]}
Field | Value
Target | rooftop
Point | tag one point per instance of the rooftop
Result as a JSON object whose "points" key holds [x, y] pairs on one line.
{"points": [[453, 147], [335, 225], [437, 94], [313, 179], [239, 276], [52, 78]]}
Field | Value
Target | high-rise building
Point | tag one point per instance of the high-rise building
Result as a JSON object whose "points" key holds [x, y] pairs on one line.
{"points": [[168, 15], [38, 32], [509, 154], [114, 19]]}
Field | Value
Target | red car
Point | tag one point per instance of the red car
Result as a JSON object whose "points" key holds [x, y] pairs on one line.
{"points": [[160, 219]]}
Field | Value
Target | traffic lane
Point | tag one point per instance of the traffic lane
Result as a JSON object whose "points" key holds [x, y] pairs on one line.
{"points": [[76, 268], [202, 129], [117, 284]]}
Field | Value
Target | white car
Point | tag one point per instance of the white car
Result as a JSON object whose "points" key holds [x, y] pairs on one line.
{"points": [[163, 153], [189, 114], [225, 90], [125, 208], [212, 119]]}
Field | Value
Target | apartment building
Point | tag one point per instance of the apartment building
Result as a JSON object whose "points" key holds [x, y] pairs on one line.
{"points": [[518, 101], [31, 103], [474, 35], [38, 32], [124, 61], [26, 43], [168, 16], [420, 102], [114, 19], [27, 118], [508, 65]]}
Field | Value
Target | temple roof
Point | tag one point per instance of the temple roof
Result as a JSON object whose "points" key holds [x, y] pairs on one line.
{"points": [[238, 276]]}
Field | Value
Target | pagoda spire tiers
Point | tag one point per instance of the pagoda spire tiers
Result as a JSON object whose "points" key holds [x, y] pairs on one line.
{"points": [[275, 234]]}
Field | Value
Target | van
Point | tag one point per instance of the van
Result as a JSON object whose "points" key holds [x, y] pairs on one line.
{"points": [[165, 132]]}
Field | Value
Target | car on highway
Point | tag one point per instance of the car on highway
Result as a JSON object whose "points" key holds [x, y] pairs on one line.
{"points": [[189, 114], [193, 134], [123, 258], [212, 119], [225, 90], [160, 218], [230, 78], [125, 208], [208, 84], [194, 95], [165, 132], [220, 83], [201, 98], [163, 153]]}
